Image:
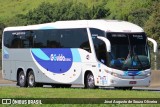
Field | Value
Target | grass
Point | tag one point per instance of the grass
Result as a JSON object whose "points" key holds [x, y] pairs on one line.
{"points": [[16, 92], [10, 8]]}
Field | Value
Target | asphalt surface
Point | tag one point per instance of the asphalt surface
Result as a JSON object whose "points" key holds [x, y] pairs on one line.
{"points": [[149, 89], [154, 87]]}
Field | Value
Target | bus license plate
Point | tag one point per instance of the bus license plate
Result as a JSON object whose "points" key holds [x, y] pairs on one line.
{"points": [[132, 82]]}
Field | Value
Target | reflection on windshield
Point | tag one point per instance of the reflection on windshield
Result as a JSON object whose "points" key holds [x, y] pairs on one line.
{"points": [[128, 51]]}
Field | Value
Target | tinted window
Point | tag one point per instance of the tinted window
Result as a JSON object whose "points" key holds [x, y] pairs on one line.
{"points": [[99, 46], [74, 38], [7, 39], [46, 39], [100, 49], [17, 39], [97, 32], [57, 38]]}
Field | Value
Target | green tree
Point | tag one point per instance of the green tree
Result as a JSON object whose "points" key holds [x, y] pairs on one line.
{"points": [[2, 26], [139, 16], [98, 11], [47, 12], [17, 20], [152, 26], [42, 14]]}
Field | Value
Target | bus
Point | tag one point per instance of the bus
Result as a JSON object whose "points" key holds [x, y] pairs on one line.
{"points": [[92, 53]]}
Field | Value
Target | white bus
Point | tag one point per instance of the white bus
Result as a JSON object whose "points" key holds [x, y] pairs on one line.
{"points": [[92, 53]]}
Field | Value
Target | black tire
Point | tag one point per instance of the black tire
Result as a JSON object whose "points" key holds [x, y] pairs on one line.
{"points": [[31, 79], [89, 81], [22, 79], [61, 85]]}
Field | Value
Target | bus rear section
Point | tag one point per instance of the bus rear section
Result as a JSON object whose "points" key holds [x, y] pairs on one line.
{"points": [[46, 56]]}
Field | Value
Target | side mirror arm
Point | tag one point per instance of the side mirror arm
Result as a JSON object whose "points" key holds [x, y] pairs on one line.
{"points": [[154, 44], [107, 42]]}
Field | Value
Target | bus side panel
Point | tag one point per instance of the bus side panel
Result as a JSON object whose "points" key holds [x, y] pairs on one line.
{"points": [[6, 64], [6, 70], [13, 71]]}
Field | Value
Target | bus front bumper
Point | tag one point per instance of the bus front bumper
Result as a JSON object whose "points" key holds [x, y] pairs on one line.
{"points": [[129, 82]]}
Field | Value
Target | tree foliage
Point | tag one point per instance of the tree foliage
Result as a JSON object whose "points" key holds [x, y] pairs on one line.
{"points": [[65, 11], [2, 26], [139, 16], [152, 26]]}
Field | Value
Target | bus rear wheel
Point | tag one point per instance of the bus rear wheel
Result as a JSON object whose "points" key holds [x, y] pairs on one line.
{"points": [[89, 81], [22, 79], [31, 80]]}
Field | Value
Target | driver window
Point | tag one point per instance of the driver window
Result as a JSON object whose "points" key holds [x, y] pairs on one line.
{"points": [[100, 49]]}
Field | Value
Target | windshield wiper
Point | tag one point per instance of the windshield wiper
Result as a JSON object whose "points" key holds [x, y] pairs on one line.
{"points": [[135, 55]]}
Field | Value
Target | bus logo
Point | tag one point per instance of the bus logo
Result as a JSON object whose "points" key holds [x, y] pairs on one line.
{"points": [[54, 60], [60, 57]]}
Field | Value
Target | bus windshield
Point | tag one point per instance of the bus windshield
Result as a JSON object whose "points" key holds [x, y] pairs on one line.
{"points": [[129, 51]]}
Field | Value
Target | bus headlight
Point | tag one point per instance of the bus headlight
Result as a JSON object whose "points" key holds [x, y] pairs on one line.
{"points": [[115, 74]]}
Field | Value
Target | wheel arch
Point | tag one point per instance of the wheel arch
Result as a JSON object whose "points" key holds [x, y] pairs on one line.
{"points": [[28, 70], [88, 85]]}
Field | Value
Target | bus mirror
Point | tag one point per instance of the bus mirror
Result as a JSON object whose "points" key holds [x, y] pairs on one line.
{"points": [[154, 44], [107, 42]]}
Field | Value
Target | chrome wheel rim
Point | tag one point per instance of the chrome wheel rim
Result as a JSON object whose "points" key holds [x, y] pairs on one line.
{"points": [[91, 81], [31, 80], [21, 79]]}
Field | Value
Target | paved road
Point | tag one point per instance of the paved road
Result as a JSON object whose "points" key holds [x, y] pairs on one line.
{"points": [[149, 89], [155, 84]]}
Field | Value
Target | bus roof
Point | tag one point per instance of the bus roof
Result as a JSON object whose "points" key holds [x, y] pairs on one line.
{"points": [[106, 25]]}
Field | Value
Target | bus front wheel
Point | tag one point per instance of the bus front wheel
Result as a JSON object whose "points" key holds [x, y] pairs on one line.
{"points": [[89, 81]]}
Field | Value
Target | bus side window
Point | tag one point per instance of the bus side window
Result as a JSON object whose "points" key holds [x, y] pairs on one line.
{"points": [[53, 39], [74, 38], [28, 39], [100, 49], [17, 41], [99, 46], [7, 39], [98, 32]]}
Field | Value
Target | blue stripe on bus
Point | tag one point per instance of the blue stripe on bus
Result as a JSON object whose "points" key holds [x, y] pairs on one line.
{"points": [[40, 54], [76, 55], [47, 27], [132, 73]]}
